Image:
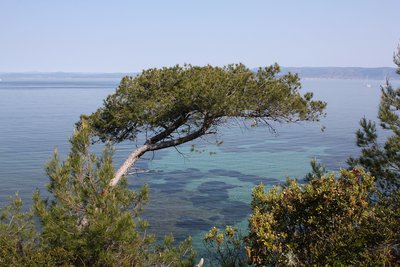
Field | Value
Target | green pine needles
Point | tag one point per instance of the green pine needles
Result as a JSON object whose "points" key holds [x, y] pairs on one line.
{"points": [[85, 222], [382, 160]]}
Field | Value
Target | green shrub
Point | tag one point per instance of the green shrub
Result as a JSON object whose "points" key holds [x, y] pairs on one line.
{"points": [[85, 222], [329, 221]]}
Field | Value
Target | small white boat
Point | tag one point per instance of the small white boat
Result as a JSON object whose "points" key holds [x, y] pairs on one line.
{"points": [[367, 84]]}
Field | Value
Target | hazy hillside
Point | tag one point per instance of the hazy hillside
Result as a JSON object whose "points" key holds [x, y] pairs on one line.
{"points": [[304, 72], [344, 72], [31, 76]]}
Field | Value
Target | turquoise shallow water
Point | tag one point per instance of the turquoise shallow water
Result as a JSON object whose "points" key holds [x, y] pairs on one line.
{"points": [[190, 192]]}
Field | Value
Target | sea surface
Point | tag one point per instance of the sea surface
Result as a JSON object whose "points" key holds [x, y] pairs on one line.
{"points": [[189, 191]]}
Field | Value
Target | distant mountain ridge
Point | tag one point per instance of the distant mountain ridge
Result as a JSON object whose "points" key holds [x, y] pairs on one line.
{"points": [[304, 72], [344, 72], [21, 76]]}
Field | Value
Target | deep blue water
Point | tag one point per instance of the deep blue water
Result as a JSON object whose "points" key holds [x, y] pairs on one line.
{"points": [[190, 192]]}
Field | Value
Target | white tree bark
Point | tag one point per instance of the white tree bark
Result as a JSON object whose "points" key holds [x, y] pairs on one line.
{"points": [[200, 264], [133, 157]]}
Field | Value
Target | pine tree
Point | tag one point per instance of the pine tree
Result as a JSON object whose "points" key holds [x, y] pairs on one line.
{"points": [[172, 106], [85, 222], [382, 161]]}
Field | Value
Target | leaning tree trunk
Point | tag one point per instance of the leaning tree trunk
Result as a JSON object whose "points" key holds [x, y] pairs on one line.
{"points": [[133, 157], [158, 142]]}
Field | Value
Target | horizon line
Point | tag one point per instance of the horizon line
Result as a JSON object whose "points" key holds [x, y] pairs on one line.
{"points": [[119, 72]]}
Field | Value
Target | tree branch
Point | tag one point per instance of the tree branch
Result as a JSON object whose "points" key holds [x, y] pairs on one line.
{"points": [[206, 125], [170, 129]]}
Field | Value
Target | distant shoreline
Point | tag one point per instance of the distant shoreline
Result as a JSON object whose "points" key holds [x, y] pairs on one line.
{"points": [[316, 73], [353, 73]]}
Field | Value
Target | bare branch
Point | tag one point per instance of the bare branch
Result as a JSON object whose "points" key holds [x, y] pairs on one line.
{"points": [[203, 130]]}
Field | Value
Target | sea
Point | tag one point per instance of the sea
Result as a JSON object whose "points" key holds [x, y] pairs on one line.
{"points": [[189, 191]]}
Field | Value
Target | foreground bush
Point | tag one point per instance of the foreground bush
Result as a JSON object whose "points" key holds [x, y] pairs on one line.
{"points": [[85, 222], [224, 248], [330, 221]]}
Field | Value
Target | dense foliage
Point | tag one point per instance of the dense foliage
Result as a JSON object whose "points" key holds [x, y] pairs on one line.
{"points": [[185, 99], [225, 248], [85, 222], [17, 237], [329, 221]]}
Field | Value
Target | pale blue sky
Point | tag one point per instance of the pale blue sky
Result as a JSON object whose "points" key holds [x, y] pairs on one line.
{"points": [[128, 36]]}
